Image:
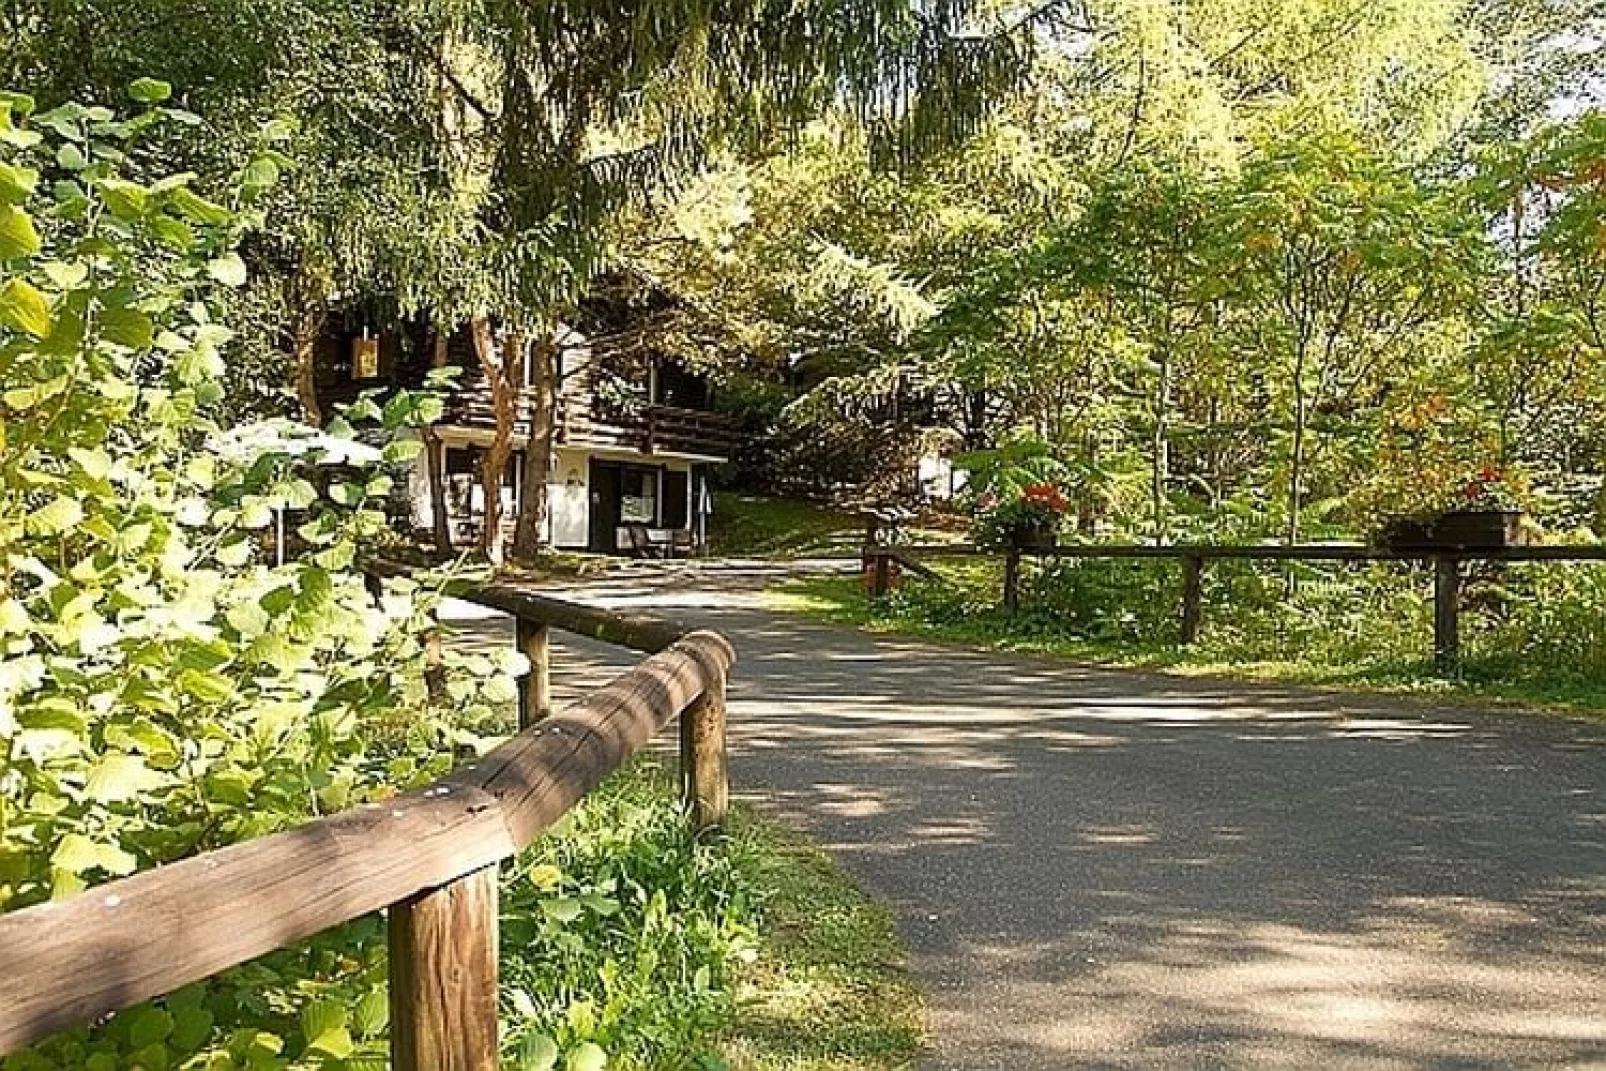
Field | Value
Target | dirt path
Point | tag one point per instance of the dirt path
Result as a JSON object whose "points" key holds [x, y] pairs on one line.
{"points": [[1112, 869]]}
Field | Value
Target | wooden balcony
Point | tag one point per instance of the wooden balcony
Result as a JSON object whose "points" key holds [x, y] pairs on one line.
{"points": [[651, 429]]}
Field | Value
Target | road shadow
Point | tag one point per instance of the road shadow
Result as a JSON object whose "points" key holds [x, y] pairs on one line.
{"points": [[1112, 869]]}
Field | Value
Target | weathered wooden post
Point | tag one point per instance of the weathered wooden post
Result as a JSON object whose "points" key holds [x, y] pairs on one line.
{"points": [[1192, 597], [1447, 613], [705, 777], [1012, 579], [435, 661], [443, 947], [535, 695]]}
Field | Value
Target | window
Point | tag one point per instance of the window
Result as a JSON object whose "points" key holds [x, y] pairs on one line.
{"points": [[638, 496], [364, 358]]}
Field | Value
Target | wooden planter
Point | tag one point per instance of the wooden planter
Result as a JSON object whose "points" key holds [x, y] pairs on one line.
{"points": [[1033, 536], [1457, 530]]}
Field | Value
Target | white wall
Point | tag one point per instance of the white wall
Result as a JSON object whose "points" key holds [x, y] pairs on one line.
{"points": [[569, 499]]}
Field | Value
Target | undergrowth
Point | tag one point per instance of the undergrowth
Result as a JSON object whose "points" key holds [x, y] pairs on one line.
{"points": [[1532, 634]]}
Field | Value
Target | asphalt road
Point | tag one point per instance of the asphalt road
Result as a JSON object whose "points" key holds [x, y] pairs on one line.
{"points": [[1110, 869]]}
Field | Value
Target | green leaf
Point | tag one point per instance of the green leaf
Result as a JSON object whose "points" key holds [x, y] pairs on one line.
{"points": [[228, 269], [148, 1026], [323, 1023], [128, 327], [77, 853], [24, 308], [249, 619], [198, 209], [372, 1013], [121, 777], [18, 238], [586, 1057], [150, 90], [71, 157], [65, 276], [563, 909], [206, 686], [17, 183], [191, 1026], [537, 1052], [96, 463], [61, 514]]}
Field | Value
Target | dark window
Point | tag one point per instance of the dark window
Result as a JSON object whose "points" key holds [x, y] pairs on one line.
{"points": [[682, 389], [675, 488]]}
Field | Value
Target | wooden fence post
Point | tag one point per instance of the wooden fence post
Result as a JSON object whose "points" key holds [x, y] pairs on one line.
{"points": [[443, 947], [1447, 613], [535, 695], [1012, 579], [1192, 597], [435, 661], [705, 777]]}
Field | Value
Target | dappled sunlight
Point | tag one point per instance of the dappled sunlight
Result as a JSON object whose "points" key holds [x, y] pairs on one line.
{"points": [[1127, 869]]}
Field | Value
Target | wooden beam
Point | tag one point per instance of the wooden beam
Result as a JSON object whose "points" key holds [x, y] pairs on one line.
{"points": [[443, 966], [67, 963]]}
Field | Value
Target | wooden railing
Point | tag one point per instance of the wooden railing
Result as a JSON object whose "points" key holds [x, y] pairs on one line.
{"points": [[882, 563], [429, 856], [648, 428]]}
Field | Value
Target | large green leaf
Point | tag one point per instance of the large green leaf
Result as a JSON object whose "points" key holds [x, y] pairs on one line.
{"points": [[24, 308], [121, 777], [18, 238], [150, 90]]}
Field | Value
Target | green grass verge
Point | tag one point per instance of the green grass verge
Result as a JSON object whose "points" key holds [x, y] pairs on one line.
{"points": [[751, 526], [828, 991], [756, 953], [841, 600]]}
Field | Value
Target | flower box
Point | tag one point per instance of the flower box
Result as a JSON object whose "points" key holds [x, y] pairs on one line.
{"points": [[1034, 535], [1457, 530]]}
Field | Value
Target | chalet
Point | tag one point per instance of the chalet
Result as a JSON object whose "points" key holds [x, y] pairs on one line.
{"points": [[636, 433]]}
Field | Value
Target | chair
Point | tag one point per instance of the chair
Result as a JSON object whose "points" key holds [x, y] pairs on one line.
{"points": [[641, 544]]}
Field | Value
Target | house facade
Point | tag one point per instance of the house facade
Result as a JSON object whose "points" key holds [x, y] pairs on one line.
{"points": [[636, 435]]}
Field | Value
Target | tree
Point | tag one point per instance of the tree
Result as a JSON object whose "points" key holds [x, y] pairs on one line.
{"points": [[1341, 262], [589, 114]]}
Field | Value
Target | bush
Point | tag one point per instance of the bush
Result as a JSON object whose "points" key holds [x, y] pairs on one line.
{"points": [[164, 690]]}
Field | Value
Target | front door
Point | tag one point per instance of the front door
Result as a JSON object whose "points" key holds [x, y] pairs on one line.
{"points": [[604, 514]]}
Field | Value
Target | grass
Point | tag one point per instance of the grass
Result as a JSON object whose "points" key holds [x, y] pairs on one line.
{"points": [[762, 955], [828, 991], [751, 526], [1501, 682]]}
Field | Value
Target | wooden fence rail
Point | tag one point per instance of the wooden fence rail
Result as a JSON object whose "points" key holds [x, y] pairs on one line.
{"points": [[429, 856], [1447, 569]]}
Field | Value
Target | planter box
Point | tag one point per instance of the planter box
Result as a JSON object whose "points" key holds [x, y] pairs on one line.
{"points": [[1040, 536], [1460, 530]]}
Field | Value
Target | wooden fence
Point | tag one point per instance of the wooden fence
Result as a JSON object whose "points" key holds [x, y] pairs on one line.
{"points": [[429, 856], [1448, 572]]}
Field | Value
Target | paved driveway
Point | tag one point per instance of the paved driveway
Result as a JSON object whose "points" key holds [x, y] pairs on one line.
{"points": [[1111, 869]]}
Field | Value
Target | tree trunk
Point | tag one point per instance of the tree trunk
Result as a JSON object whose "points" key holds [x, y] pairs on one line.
{"points": [[530, 535], [504, 374], [1160, 450], [1087, 507], [435, 459], [308, 327], [1296, 464]]}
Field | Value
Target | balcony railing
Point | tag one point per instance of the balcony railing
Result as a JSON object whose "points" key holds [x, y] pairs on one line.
{"points": [[651, 429]]}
